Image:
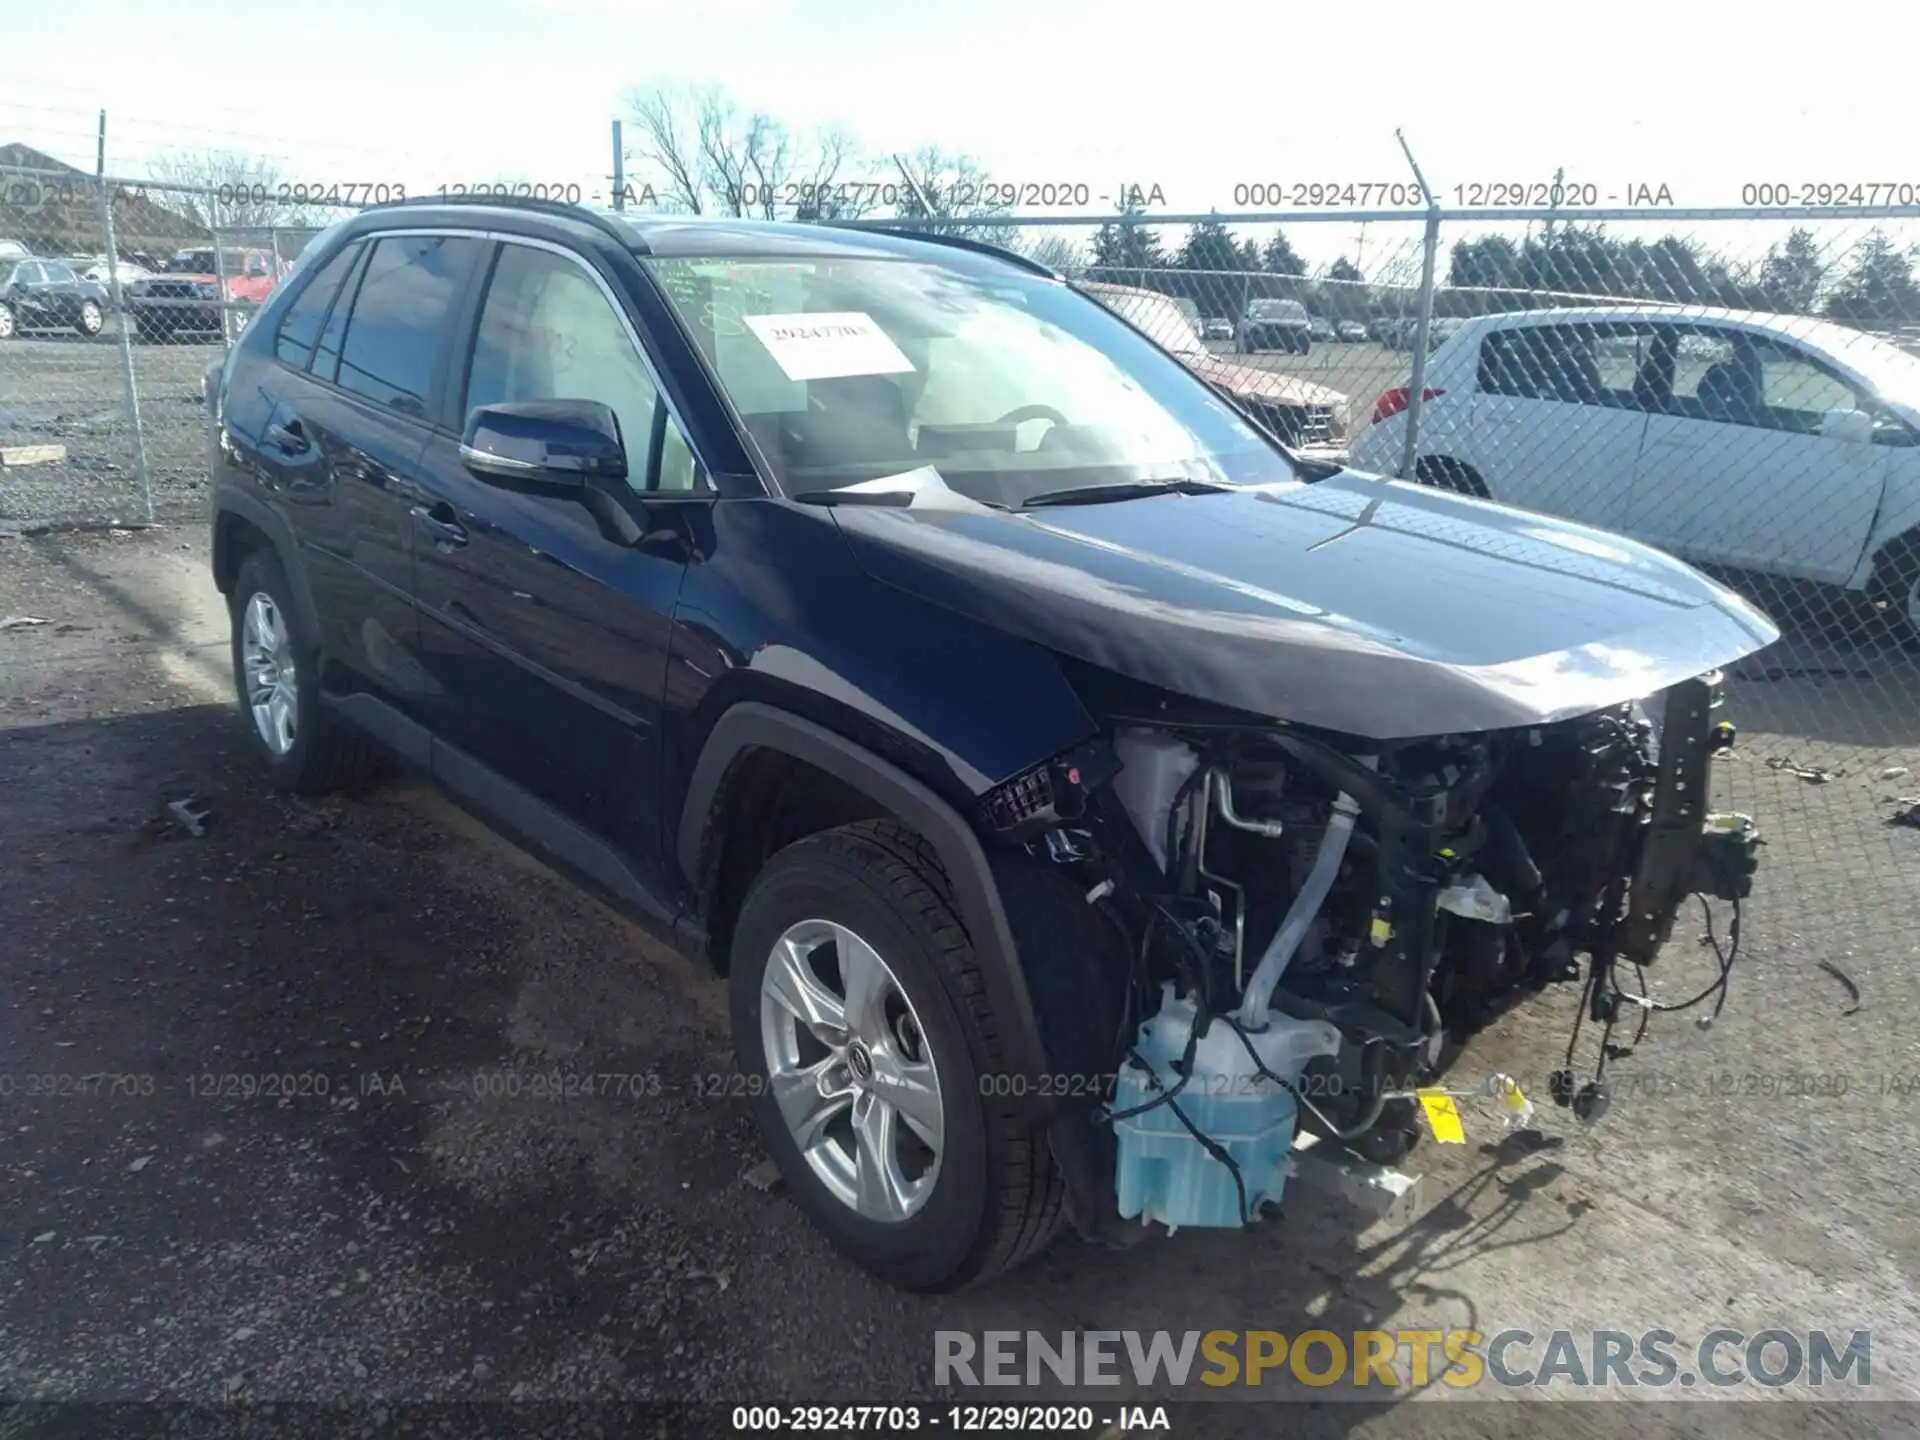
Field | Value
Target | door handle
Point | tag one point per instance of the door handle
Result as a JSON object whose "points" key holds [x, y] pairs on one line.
{"points": [[438, 523], [289, 438]]}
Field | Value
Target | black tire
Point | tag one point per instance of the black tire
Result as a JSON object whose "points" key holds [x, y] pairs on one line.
{"points": [[1443, 473], [325, 754], [90, 319], [1894, 590], [998, 1198], [9, 323]]}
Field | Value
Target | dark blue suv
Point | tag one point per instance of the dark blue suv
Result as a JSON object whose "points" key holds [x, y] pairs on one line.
{"points": [[897, 630]]}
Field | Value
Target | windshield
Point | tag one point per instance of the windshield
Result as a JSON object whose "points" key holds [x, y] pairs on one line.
{"points": [[1893, 373], [1009, 386], [1277, 310], [191, 262]]}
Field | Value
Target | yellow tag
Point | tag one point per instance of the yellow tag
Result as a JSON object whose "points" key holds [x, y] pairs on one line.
{"points": [[1381, 931], [1443, 1117]]}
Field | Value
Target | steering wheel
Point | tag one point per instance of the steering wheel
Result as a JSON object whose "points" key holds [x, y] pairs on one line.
{"points": [[1032, 412]]}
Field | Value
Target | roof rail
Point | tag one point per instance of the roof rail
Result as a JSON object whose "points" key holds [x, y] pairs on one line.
{"points": [[540, 204], [958, 242]]}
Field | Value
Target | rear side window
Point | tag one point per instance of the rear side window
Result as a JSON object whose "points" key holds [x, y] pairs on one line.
{"points": [[1542, 362], [301, 325], [399, 314]]}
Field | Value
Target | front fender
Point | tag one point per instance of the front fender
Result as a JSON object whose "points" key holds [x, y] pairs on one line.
{"points": [[751, 726]]}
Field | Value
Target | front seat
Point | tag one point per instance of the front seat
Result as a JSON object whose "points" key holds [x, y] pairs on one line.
{"points": [[851, 421], [1729, 392]]}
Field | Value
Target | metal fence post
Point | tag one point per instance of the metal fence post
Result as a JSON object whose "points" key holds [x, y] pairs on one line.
{"points": [[1417, 382], [220, 270], [125, 319]]}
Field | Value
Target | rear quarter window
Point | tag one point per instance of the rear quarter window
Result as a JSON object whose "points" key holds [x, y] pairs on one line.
{"points": [[301, 326]]}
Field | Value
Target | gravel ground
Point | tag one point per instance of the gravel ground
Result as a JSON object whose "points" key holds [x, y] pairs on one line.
{"points": [[68, 390], [414, 1222]]}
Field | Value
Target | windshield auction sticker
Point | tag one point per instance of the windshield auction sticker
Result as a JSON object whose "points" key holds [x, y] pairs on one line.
{"points": [[828, 346]]}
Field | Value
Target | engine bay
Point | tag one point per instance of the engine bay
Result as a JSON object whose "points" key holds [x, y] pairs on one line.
{"points": [[1313, 925]]}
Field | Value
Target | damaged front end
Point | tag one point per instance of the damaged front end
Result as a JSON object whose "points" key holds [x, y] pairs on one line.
{"points": [[1302, 928]]}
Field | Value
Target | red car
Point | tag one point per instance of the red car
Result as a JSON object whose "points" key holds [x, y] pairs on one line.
{"points": [[188, 298]]}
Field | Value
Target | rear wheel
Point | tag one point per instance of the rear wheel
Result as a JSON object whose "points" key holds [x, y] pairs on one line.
{"points": [[276, 675], [1447, 474], [9, 327], [91, 318], [861, 1024]]}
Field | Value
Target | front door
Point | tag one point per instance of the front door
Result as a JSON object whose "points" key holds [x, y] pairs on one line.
{"points": [[546, 622], [1735, 471]]}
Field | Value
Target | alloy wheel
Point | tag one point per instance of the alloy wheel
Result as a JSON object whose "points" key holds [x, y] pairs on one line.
{"points": [[849, 1066], [6, 323], [273, 685], [91, 320]]}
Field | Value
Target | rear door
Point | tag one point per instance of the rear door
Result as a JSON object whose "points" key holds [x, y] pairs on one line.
{"points": [[1735, 471], [545, 629], [1557, 418], [348, 433]]}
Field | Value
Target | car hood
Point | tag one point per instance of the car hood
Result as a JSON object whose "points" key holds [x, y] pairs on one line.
{"points": [[1253, 383], [1356, 604]]}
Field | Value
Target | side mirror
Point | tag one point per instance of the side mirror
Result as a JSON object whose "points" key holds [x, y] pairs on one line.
{"points": [[552, 446], [1852, 426]]}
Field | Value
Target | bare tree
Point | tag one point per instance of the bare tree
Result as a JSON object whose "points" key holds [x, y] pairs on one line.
{"points": [[227, 189], [957, 188], [666, 117], [711, 157]]}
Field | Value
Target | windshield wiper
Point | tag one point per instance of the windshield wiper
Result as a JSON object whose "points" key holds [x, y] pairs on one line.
{"points": [[1130, 490]]}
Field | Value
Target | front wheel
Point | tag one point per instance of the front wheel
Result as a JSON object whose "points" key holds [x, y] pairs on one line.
{"points": [[860, 1023], [91, 319], [9, 326], [1895, 588]]}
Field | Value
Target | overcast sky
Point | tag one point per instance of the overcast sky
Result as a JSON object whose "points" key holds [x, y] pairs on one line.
{"points": [[1701, 99]]}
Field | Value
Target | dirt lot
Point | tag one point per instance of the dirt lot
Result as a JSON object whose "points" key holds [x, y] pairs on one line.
{"points": [[414, 1222], [72, 391]]}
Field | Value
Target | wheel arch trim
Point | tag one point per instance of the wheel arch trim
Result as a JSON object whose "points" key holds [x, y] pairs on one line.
{"points": [[751, 725], [230, 500]]}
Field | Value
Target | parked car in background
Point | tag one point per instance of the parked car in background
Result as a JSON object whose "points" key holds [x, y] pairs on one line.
{"points": [[47, 295], [1762, 443], [189, 299], [1321, 328], [96, 269], [1275, 325], [1352, 330], [13, 250], [1311, 418], [1217, 327]]}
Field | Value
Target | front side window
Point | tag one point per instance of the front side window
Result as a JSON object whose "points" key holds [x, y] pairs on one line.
{"points": [[399, 315], [1797, 393], [58, 274], [1736, 378], [301, 325], [1009, 385], [547, 332]]}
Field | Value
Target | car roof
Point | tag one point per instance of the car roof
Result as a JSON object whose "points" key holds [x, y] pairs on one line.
{"points": [[698, 236]]}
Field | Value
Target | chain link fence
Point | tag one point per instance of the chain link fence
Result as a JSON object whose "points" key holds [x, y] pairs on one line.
{"points": [[116, 295], [1739, 388]]}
